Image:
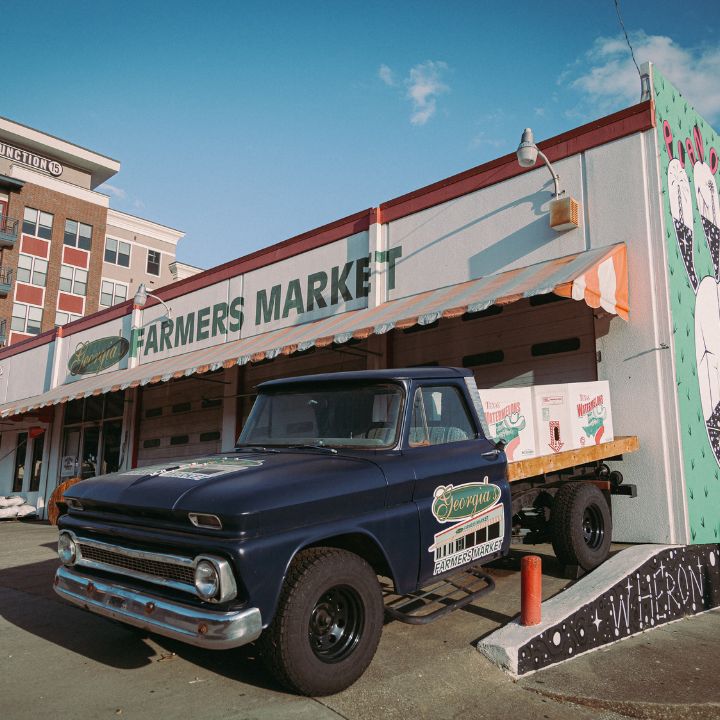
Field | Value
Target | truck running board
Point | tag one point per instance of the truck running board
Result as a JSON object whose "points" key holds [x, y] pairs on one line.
{"points": [[417, 608]]}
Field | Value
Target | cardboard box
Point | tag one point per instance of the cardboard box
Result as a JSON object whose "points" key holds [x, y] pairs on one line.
{"points": [[591, 413], [509, 415], [553, 422], [572, 416]]}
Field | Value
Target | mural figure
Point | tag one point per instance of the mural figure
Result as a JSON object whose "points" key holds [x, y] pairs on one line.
{"points": [[707, 289]]}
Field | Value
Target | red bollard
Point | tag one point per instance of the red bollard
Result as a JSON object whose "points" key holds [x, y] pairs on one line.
{"points": [[530, 590]]}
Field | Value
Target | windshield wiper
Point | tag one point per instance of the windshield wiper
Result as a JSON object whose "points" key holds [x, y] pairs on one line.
{"points": [[315, 446], [254, 448]]}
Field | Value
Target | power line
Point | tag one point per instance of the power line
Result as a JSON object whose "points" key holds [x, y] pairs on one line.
{"points": [[627, 39]]}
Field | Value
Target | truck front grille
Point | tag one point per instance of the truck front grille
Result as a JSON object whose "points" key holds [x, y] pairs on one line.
{"points": [[155, 568], [163, 569]]}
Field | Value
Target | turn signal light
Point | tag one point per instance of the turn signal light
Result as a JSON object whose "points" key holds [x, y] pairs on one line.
{"points": [[203, 520]]}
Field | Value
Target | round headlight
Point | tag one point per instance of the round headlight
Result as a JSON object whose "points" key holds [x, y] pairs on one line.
{"points": [[67, 550], [207, 580]]}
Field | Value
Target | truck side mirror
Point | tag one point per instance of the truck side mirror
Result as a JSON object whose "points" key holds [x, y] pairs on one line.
{"points": [[500, 445]]}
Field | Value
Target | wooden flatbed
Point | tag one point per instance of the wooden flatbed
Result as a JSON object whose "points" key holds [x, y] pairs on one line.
{"points": [[523, 469]]}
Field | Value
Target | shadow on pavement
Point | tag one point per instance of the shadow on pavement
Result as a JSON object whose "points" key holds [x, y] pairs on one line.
{"points": [[105, 641]]}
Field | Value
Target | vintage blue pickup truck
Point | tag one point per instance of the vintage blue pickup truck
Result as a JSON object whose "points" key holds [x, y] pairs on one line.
{"points": [[336, 480]]}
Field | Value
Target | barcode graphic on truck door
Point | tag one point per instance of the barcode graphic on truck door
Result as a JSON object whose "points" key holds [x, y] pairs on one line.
{"points": [[470, 540]]}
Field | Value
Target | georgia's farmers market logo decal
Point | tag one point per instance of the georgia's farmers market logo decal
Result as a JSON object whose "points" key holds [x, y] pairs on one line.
{"points": [[480, 530], [455, 503], [97, 355]]}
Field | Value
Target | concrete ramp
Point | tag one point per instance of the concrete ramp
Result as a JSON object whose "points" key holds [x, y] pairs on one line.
{"points": [[636, 590]]}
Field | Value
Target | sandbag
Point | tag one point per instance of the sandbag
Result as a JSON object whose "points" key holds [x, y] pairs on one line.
{"points": [[9, 512], [11, 501], [25, 510]]}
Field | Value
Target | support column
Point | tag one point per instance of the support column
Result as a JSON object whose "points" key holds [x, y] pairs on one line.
{"points": [[229, 409]]}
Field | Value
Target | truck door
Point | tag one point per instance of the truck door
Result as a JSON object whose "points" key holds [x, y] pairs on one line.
{"points": [[461, 492]]}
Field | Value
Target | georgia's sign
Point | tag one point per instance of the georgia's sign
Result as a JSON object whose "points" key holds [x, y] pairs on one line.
{"points": [[38, 162], [320, 290], [455, 503], [97, 355]]}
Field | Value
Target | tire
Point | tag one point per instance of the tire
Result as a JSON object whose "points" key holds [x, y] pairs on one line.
{"points": [[581, 525], [327, 625]]}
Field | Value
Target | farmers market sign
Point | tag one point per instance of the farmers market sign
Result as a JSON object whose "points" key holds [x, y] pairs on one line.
{"points": [[298, 300], [455, 503], [97, 355]]}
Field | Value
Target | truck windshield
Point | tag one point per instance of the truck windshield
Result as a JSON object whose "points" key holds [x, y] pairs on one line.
{"points": [[328, 415]]}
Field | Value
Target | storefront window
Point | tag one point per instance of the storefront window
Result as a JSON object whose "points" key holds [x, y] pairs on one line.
{"points": [[112, 437], [36, 467], [19, 474], [93, 434]]}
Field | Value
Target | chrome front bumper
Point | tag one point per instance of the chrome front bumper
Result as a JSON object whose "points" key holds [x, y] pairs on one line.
{"points": [[203, 628]]}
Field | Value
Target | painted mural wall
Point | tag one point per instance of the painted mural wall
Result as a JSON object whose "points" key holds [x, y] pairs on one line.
{"points": [[689, 173]]}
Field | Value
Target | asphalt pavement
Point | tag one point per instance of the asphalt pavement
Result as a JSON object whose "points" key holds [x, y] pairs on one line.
{"points": [[57, 661]]}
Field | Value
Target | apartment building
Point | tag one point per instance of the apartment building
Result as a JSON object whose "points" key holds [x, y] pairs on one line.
{"points": [[64, 252]]}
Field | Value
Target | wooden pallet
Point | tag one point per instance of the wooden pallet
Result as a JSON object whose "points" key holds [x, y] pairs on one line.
{"points": [[544, 464]]}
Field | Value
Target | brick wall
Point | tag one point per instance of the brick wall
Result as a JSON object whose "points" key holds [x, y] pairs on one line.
{"points": [[62, 207]]}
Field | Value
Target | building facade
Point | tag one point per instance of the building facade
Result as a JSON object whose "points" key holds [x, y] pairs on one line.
{"points": [[471, 271], [65, 253]]}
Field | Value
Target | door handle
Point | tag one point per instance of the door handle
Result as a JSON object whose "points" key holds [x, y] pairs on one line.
{"points": [[491, 454]]}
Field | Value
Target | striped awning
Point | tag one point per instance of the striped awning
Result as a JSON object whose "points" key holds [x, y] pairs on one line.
{"points": [[598, 277]]}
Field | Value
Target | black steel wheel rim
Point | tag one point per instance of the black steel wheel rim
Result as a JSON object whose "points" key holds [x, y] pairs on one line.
{"points": [[593, 527], [336, 624]]}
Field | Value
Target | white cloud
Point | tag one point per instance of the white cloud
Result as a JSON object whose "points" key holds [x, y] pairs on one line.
{"points": [[424, 85], [611, 79], [482, 138], [387, 75], [114, 191]]}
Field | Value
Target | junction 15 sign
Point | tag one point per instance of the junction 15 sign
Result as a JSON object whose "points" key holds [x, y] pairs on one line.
{"points": [[37, 162]]}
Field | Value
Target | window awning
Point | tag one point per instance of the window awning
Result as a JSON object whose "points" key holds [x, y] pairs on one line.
{"points": [[598, 276]]}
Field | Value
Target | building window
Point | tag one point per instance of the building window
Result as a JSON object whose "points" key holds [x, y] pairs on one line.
{"points": [[78, 234], [63, 318], [19, 473], [36, 467], [38, 223], [26, 318], [117, 252], [73, 280], [112, 293], [32, 270], [153, 262]]}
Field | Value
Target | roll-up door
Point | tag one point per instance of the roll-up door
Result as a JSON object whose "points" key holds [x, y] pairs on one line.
{"points": [[546, 339], [180, 419]]}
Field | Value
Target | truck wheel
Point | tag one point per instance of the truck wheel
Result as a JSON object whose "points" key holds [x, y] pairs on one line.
{"points": [[328, 622], [581, 525]]}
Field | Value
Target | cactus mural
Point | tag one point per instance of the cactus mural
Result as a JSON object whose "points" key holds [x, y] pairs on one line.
{"points": [[689, 167]]}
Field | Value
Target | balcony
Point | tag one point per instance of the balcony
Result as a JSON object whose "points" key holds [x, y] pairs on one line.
{"points": [[6, 279], [8, 231]]}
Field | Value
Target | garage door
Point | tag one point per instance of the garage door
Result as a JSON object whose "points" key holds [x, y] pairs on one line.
{"points": [[180, 419], [543, 340]]}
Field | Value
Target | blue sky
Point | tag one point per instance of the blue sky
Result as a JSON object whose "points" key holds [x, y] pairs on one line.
{"points": [[245, 123]]}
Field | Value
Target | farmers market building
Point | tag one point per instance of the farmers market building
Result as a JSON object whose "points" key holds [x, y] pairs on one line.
{"points": [[615, 279]]}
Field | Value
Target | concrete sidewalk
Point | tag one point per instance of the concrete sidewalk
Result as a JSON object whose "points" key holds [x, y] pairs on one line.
{"points": [[58, 661]]}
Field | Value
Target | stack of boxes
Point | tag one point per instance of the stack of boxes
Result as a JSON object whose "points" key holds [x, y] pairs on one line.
{"points": [[547, 419]]}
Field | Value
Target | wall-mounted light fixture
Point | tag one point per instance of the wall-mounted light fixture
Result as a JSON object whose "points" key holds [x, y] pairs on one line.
{"points": [[564, 212], [142, 295]]}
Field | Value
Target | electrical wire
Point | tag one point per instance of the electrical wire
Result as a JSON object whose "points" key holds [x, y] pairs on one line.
{"points": [[627, 39]]}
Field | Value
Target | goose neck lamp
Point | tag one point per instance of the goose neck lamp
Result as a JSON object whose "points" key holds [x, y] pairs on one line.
{"points": [[564, 211], [142, 295]]}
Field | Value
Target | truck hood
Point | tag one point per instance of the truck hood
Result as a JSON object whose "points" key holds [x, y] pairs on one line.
{"points": [[275, 484]]}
